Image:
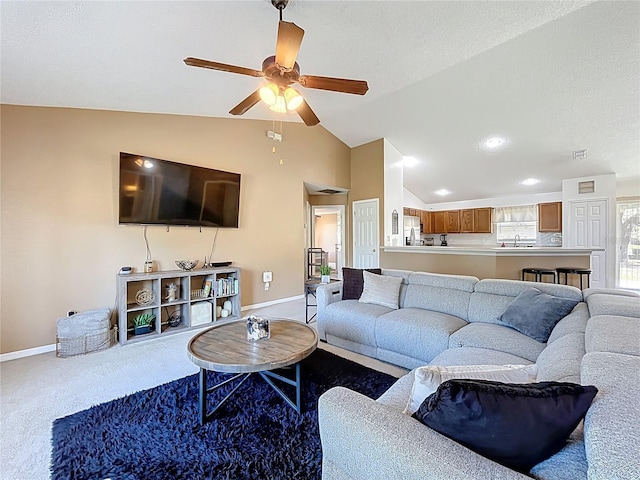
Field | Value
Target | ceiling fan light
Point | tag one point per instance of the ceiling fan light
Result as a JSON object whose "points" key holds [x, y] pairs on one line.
{"points": [[292, 98], [269, 94], [279, 106]]}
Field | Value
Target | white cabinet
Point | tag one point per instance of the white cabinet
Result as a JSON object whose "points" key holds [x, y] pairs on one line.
{"points": [[589, 226], [195, 293]]}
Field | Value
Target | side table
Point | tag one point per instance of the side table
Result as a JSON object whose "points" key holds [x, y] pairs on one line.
{"points": [[310, 287]]}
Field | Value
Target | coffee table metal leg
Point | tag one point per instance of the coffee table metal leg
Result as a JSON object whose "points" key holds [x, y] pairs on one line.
{"points": [[205, 416], [268, 375]]}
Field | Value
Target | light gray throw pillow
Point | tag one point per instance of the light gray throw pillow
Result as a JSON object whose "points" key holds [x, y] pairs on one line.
{"points": [[535, 313], [381, 290]]}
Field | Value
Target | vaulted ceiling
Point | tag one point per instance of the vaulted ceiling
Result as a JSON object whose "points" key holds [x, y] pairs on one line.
{"points": [[547, 77]]}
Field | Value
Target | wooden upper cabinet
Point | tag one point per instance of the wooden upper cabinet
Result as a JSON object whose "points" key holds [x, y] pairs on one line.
{"points": [[439, 222], [550, 217], [482, 220], [405, 211], [452, 221], [467, 221], [425, 220]]}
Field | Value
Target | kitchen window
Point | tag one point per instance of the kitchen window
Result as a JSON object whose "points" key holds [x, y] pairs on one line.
{"points": [[520, 220]]}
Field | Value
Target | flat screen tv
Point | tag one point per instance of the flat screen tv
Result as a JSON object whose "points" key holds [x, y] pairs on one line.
{"points": [[160, 192]]}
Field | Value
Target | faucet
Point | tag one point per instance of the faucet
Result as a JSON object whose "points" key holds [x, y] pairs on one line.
{"points": [[515, 240]]}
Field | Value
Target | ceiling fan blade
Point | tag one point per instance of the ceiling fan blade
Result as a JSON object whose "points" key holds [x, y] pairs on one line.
{"points": [[288, 44], [357, 87], [197, 62], [307, 115], [246, 104]]}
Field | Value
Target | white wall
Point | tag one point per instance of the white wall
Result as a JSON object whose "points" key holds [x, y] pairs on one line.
{"points": [[506, 201], [393, 193]]}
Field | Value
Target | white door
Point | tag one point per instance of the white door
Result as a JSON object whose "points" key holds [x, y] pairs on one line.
{"points": [[589, 221], [366, 234]]}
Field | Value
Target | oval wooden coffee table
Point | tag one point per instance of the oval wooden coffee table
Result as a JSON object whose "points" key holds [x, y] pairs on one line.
{"points": [[225, 348]]}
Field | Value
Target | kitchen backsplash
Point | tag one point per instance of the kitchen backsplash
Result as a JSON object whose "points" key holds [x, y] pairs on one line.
{"points": [[490, 239]]}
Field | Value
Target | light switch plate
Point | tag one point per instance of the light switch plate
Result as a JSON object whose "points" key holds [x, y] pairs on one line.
{"points": [[267, 276]]}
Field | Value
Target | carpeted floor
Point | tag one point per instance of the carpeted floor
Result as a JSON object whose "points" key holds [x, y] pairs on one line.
{"points": [[155, 434]]}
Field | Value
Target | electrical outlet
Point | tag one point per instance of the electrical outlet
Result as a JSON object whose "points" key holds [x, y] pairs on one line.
{"points": [[267, 277]]}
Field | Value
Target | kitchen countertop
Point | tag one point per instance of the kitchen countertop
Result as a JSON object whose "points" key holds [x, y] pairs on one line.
{"points": [[522, 251]]}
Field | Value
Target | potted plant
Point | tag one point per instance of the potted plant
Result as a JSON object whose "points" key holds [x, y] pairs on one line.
{"points": [[142, 323], [325, 273]]}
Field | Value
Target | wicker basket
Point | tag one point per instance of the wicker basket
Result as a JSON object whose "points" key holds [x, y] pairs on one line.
{"points": [[84, 332], [94, 342]]}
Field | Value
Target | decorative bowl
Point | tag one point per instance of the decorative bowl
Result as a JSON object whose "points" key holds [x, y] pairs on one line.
{"points": [[186, 265]]}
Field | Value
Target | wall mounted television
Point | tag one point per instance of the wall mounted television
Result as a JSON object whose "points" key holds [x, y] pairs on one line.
{"points": [[161, 192]]}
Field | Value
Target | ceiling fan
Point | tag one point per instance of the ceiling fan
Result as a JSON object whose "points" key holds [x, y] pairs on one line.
{"points": [[282, 71]]}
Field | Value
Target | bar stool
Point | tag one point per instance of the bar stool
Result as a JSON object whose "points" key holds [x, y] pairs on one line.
{"points": [[538, 273], [574, 271]]}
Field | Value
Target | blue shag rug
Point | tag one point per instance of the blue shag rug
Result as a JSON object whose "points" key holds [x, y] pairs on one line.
{"points": [[155, 434]]}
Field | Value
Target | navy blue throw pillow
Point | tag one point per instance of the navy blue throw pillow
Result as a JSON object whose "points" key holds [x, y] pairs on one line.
{"points": [[516, 425], [535, 313], [353, 282]]}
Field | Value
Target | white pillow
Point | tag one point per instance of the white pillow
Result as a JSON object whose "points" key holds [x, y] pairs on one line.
{"points": [[428, 378], [380, 289]]}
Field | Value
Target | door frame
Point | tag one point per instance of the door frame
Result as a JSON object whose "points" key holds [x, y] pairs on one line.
{"points": [[341, 212], [353, 223]]}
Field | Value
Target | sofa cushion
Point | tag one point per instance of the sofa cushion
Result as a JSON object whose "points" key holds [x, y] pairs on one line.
{"points": [[560, 361], [515, 425], [496, 337], [381, 290], [352, 320], [491, 297], [587, 292], [611, 433], [441, 293], [611, 333], [427, 379], [476, 356], [421, 334], [576, 321], [353, 282], [603, 304], [535, 313]]}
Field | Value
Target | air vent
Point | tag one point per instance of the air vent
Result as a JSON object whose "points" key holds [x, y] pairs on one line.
{"points": [[580, 154], [587, 187], [329, 191]]}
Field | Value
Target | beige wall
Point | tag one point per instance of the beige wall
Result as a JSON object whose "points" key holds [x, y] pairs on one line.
{"points": [[61, 244], [367, 181]]}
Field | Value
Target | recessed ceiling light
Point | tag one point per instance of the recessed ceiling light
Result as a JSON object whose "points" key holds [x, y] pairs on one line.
{"points": [[409, 161], [493, 143], [442, 192], [530, 181]]}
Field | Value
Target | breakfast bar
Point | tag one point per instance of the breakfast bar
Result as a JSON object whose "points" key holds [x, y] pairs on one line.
{"points": [[483, 261]]}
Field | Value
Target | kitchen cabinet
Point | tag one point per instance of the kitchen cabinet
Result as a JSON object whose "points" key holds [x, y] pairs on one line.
{"points": [[550, 217], [439, 222], [452, 219], [426, 221], [405, 211], [467, 221], [482, 220]]}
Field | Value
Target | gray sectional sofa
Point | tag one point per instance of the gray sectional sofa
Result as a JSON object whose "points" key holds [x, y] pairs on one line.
{"points": [[453, 320]]}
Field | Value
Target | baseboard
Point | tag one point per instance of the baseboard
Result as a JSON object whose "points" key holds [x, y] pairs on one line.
{"points": [[5, 357], [272, 302]]}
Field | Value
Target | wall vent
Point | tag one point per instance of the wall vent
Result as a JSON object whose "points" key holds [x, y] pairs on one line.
{"points": [[587, 187], [580, 154]]}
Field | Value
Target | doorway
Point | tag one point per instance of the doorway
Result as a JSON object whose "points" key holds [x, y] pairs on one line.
{"points": [[328, 233]]}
